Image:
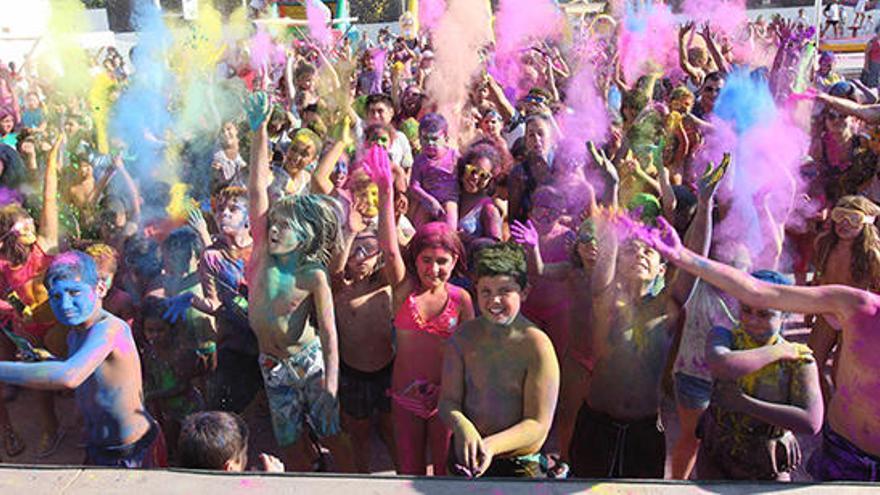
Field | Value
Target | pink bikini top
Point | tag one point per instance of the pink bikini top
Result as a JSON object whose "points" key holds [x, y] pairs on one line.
{"points": [[442, 325]]}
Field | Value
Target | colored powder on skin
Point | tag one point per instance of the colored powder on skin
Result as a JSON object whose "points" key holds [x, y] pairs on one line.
{"points": [[61, 49], [141, 117], [318, 16], [518, 24], [463, 30], [99, 101], [648, 41], [430, 13], [767, 150]]}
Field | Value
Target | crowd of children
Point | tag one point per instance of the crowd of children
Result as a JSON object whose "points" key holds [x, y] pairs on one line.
{"points": [[503, 284]]}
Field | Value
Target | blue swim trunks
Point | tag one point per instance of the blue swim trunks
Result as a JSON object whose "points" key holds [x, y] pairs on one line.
{"points": [[293, 386]]}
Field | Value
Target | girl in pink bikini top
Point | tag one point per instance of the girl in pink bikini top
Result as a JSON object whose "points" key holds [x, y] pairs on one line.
{"points": [[443, 325]]}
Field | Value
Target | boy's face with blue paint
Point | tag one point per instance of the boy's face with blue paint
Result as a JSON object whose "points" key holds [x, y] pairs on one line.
{"points": [[73, 301]]}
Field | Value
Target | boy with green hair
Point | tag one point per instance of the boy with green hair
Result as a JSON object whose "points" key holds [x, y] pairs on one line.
{"points": [[500, 376]]}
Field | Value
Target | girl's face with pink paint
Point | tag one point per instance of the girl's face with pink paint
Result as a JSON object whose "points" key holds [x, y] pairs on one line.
{"points": [[434, 266], [7, 123], [73, 301]]}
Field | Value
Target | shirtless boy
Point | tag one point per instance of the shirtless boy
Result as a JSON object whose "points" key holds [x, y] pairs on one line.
{"points": [[617, 432], [103, 368], [851, 437], [500, 376], [289, 291], [362, 301]]}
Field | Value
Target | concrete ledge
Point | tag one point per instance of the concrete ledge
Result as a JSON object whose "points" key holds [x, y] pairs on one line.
{"points": [[36, 480]]}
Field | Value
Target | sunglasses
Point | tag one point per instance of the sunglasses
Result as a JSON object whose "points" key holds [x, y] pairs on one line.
{"points": [[852, 217], [834, 116], [480, 174], [365, 251], [712, 89]]}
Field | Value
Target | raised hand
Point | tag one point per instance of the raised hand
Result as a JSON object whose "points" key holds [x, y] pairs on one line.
{"points": [[664, 239], [524, 234], [603, 163], [685, 28], [377, 164], [258, 109], [176, 307], [708, 183]]}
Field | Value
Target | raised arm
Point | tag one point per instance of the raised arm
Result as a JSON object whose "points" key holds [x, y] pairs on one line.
{"points": [[48, 232], [869, 113], [604, 271], [720, 63], [321, 183], [258, 111], [71, 373], [378, 167], [692, 72], [496, 94], [699, 234], [840, 301]]}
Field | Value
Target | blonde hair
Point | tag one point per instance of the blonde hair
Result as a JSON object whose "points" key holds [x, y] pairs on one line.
{"points": [[317, 218]]}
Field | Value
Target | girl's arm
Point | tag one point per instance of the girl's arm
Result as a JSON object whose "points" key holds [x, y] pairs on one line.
{"points": [[840, 301], [48, 232], [869, 113]]}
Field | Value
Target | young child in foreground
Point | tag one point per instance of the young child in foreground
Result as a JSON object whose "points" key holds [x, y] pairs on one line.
{"points": [[500, 376], [219, 440]]}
